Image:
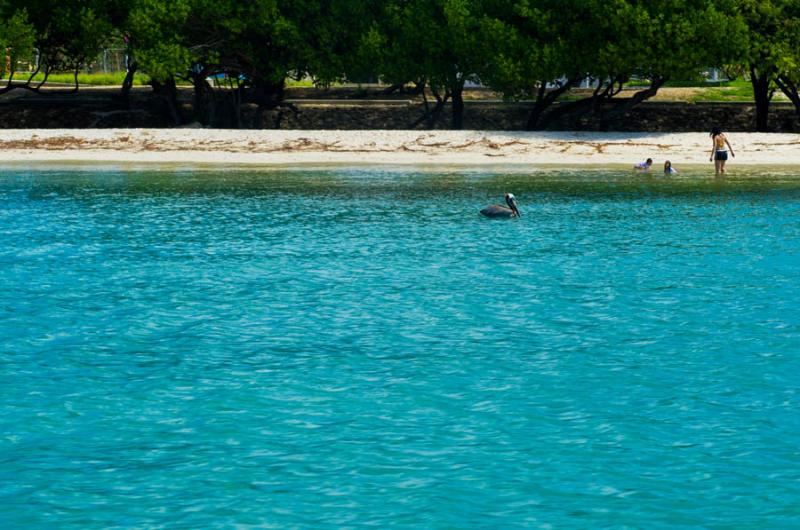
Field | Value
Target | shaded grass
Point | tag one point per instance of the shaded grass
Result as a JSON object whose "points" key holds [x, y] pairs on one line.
{"points": [[690, 91], [740, 91], [736, 93], [98, 79], [694, 83], [695, 91]]}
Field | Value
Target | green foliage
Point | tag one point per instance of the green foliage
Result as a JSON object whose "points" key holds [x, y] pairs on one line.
{"points": [[434, 43], [534, 43], [773, 53], [775, 35], [17, 37], [521, 48], [330, 36], [556, 43], [436, 40], [69, 32], [259, 41], [158, 32], [541, 41]]}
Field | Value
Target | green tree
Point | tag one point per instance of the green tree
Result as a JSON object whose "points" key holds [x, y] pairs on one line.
{"points": [[539, 49], [69, 33], [196, 40], [17, 38], [773, 57], [157, 44], [678, 39], [436, 43], [788, 78], [332, 33], [546, 46], [252, 47]]}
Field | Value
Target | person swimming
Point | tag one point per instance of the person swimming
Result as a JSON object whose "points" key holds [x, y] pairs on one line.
{"points": [[644, 166], [719, 150], [668, 169]]}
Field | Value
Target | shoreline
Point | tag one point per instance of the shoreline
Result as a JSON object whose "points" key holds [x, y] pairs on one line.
{"points": [[228, 147]]}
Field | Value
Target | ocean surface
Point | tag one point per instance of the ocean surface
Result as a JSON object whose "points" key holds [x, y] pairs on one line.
{"points": [[351, 347]]}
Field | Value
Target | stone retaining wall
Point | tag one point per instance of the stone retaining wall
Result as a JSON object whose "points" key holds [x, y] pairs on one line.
{"points": [[96, 112]]}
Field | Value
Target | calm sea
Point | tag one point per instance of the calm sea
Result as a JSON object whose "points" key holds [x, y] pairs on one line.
{"points": [[356, 347]]}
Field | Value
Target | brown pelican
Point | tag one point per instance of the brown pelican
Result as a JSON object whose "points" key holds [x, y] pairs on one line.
{"points": [[497, 210]]}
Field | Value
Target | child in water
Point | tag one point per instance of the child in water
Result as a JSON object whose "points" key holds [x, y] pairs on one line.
{"points": [[644, 166], [668, 169]]}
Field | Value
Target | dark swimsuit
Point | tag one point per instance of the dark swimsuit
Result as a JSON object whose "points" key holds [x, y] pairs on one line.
{"points": [[720, 153]]}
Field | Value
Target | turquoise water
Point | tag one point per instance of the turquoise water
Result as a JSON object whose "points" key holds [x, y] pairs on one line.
{"points": [[355, 347]]}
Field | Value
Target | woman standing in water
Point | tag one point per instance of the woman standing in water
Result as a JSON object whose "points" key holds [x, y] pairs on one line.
{"points": [[719, 150]]}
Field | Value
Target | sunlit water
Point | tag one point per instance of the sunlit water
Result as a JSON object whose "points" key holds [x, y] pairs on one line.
{"points": [[353, 347]]}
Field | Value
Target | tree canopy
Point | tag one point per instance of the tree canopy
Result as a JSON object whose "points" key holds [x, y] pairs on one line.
{"points": [[538, 50], [545, 47], [772, 56]]}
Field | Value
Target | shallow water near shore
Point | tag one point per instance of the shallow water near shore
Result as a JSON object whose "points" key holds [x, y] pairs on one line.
{"points": [[356, 346]]}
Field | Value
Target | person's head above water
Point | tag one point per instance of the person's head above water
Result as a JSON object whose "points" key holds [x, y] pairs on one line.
{"points": [[649, 161], [667, 167]]}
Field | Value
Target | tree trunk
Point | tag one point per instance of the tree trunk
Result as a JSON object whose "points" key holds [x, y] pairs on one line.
{"points": [[75, 74], [127, 83], [790, 89], [431, 116], [603, 91], [168, 92], [44, 80], [204, 101], [10, 85], [762, 96], [458, 106], [636, 99], [236, 98], [544, 100], [388, 91], [565, 108], [426, 115], [267, 95]]}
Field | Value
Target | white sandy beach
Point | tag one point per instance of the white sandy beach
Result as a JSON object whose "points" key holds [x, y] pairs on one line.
{"points": [[462, 148]]}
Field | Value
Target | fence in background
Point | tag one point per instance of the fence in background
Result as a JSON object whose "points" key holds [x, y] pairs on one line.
{"points": [[109, 61]]}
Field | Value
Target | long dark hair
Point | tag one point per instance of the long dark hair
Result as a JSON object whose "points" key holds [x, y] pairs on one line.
{"points": [[715, 131]]}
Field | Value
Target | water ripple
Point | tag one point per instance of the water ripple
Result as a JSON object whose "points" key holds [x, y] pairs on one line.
{"points": [[358, 348]]}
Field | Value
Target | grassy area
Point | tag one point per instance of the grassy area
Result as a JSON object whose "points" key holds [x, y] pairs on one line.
{"points": [[722, 95], [694, 91], [739, 90], [702, 83], [98, 79], [303, 83], [116, 78]]}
